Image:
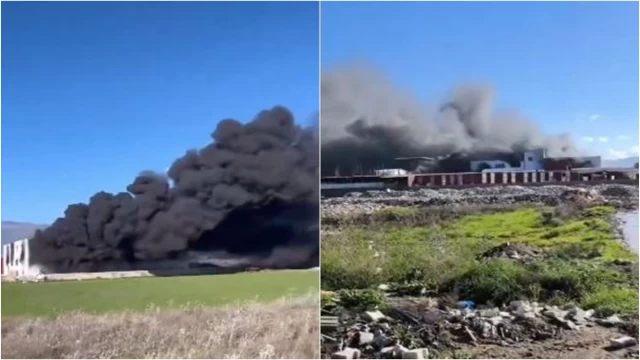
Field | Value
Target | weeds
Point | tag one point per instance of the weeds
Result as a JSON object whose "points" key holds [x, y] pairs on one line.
{"points": [[285, 329], [438, 254], [496, 281], [367, 299], [608, 301]]}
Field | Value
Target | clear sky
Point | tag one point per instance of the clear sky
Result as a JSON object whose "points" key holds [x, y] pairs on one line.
{"points": [[570, 66], [93, 93]]}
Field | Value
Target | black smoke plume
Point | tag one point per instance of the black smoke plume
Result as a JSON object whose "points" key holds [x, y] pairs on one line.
{"points": [[367, 123], [254, 189]]}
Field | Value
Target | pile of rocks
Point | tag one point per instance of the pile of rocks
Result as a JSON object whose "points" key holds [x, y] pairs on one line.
{"points": [[411, 334], [513, 251], [367, 202]]}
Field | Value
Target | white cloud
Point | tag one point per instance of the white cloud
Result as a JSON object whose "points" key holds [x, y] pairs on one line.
{"points": [[588, 139], [594, 117], [623, 137], [603, 139], [614, 154]]}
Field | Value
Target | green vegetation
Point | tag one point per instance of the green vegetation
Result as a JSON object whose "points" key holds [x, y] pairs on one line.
{"points": [[418, 253], [99, 296], [396, 213], [609, 301], [366, 299]]}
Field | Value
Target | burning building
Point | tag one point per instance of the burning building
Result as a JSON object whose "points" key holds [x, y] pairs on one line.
{"points": [[367, 123], [252, 191]]}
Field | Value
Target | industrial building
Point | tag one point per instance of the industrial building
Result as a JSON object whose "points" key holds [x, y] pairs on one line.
{"points": [[534, 167], [15, 258]]}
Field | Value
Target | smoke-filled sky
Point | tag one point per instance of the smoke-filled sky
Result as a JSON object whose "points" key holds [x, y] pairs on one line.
{"points": [[365, 116], [252, 189], [93, 93], [580, 79]]}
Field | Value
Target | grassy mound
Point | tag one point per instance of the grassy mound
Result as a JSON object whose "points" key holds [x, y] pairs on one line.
{"points": [[443, 255]]}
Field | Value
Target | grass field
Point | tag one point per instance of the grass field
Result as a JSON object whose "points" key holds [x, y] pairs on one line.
{"points": [[100, 296]]}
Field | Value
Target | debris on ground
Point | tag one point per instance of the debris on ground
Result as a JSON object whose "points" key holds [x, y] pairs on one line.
{"points": [[514, 251], [403, 331], [622, 196]]}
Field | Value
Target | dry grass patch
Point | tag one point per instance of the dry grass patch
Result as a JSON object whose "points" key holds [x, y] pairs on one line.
{"points": [[285, 329]]}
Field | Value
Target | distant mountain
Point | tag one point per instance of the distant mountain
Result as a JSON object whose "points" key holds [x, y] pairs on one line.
{"points": [[625, 162], [12, 230]]}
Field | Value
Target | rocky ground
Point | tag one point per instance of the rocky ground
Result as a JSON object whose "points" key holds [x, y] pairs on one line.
{"points": [[620, 196], [420, 328]]}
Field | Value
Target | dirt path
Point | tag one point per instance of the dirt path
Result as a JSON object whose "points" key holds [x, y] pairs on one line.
{"points": [[588, 343]]}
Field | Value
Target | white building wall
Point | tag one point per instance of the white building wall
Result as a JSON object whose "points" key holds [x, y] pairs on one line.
{"points": [[533, 160], [15, 258]]}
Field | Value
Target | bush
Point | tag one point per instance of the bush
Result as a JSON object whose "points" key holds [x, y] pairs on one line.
{"points": [[496, 281], [574, 279], [361, 299], [328, 303], [348, 262], [396, 213], [612, 301]]}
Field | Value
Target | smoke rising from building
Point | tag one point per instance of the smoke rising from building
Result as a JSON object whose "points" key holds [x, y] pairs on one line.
{"points": [[367, 122], [253, 189]]}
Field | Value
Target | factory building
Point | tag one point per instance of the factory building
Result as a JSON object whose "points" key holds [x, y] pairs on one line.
{"points": [[536, 160], [530, 167], [15, 258]]}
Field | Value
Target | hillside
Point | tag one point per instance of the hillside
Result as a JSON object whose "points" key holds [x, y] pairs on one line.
{"points": [[13, 230], [624, 162]]}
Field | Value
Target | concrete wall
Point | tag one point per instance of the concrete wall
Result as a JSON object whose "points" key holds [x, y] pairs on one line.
{"points": [[15, 258]]}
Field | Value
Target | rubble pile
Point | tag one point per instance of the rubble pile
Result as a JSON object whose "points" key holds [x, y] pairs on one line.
{"points": [[622, 196], [405, 332], [514, 251]]}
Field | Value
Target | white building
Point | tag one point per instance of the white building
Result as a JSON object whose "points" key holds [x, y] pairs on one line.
{"points": [[532, 160], [15, 258], [391, 172]]}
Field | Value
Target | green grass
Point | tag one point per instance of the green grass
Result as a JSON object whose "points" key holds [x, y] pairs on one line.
{"points": [[591, 233], [579, 245], [99, 296], [609, 301]]}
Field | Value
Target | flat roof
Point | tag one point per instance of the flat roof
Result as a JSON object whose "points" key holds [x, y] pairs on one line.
{"points": [[611, 169], [414, 158]]}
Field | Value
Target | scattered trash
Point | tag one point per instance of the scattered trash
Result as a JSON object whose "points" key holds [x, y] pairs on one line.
{"points": [[623, 342], [424, 331], [466, 304]]}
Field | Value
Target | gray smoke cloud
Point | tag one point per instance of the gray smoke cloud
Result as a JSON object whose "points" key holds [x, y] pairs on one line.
{"points": [[253, 189], [367, 122]]}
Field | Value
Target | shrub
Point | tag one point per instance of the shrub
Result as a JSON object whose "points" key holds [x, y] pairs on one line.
{"points": [[328, 303], [396, 213], [348, 262], [574, 279], [612, 301], [496, 281], [367, 299]]}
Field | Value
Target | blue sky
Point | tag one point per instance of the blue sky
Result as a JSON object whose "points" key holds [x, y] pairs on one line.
{"points": [[93, 93], [571, 66]]}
